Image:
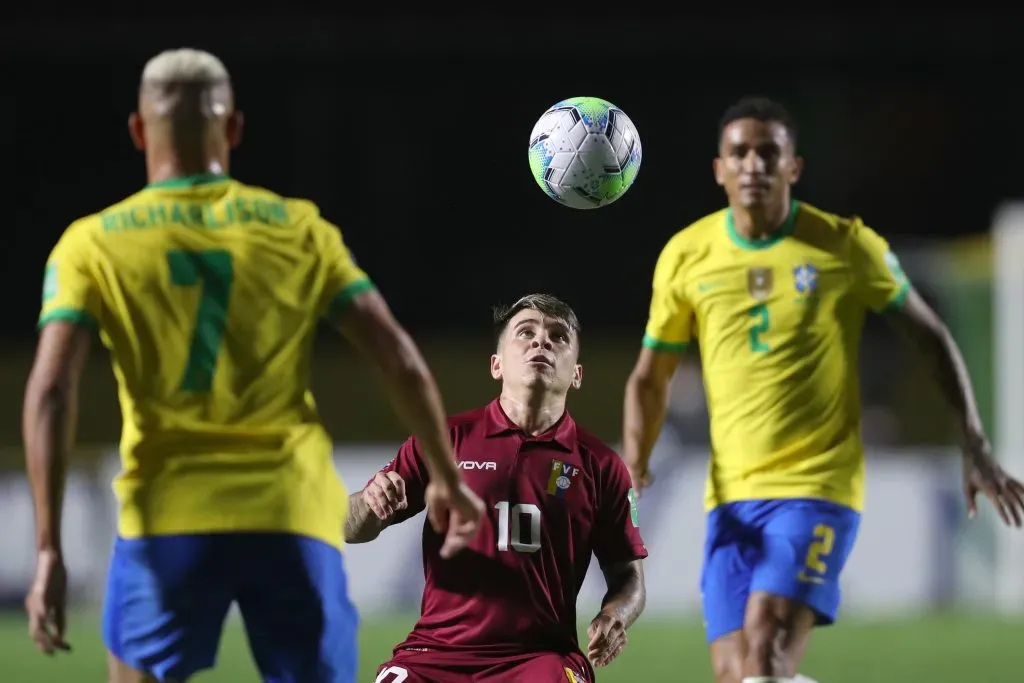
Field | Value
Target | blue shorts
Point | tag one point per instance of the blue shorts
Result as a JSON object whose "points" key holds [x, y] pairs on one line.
{"points": [[167, 598], [792, 548]]}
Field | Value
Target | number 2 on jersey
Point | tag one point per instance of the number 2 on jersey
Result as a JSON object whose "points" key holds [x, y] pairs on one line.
{"points": [[760, 315], [213, 272], [821, 548]]}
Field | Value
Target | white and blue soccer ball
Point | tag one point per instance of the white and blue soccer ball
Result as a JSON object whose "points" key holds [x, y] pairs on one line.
{"points": [[585, 152]]}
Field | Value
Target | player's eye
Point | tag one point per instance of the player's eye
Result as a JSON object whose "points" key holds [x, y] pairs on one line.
{"points": [[740, 151], [525, 333]]}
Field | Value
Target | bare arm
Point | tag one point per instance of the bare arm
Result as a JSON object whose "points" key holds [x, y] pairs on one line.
{"points": [[626, 595], [919, 324], [367, 322], [48, 424], [646, 404], [362, 525]]}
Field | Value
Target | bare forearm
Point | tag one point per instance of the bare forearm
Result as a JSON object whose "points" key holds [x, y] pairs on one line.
{"points": [[946, 364], [48, 431], [646, 404], [626, 595], [419, 405], [361, 525]]}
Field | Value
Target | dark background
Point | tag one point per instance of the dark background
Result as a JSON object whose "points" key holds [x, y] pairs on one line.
{"points": [[411, 135]]}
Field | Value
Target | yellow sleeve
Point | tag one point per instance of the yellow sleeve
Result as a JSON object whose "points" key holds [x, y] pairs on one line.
{"points": [[343, 279], [670, 320], [880, 282], [70, 290]]}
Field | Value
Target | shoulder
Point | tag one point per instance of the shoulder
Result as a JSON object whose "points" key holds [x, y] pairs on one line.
{"points": [[597, 454], [691, 241], [84, 232], [844, 231]]}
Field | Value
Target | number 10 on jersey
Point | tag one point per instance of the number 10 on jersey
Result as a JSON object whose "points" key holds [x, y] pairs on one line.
{"points": [[511, 527]]}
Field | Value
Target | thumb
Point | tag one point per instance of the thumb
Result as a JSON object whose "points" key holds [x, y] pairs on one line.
{"points": [[970, 497]]}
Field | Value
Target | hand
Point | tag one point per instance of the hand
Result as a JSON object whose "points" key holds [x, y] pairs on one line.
{"points": [[982, 473], [46, 603], [385, 495], [455, 511], [641, 480], [607, 638]]}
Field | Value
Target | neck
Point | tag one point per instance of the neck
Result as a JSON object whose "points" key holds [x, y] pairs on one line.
{"points": [[168, 165], [760, 222], [534, 412]]}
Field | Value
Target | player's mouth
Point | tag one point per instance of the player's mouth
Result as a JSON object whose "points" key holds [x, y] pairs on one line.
{"points": [[756, 185], [540, 360]]}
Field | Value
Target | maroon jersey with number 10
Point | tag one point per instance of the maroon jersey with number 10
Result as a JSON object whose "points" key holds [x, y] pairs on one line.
{"points": [[551, 502]]}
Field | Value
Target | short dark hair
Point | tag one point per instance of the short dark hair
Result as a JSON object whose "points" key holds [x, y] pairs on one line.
{"points": [[760, 109], [545, 304]]}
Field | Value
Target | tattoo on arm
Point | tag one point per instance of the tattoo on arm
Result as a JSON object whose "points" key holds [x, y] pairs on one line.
{"points": [[361, 525], [626, 595]]}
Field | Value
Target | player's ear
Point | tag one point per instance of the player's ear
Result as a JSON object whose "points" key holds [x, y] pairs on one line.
{"points": [[719, 171], [235, 124], [496, 366], [577, 376], [137, 131], [798, 170]]}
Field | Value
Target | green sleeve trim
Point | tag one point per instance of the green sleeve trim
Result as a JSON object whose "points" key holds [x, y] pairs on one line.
{"points": [[662, 346], [896, 303], [343, 298], [69, 315]]}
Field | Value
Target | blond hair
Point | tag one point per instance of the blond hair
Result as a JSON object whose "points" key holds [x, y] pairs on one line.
{"points": [[185, 65]]}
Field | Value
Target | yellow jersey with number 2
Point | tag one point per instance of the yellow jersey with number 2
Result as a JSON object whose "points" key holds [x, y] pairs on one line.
{"points": [[778, 324], [207, 293]]}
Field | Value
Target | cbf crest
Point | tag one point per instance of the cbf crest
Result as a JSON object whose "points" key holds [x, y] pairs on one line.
{"points": [[759, 283], [805, 279]]}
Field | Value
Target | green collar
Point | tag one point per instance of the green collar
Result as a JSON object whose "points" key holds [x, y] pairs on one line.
{"points": [[189, 181], [785, 230]]}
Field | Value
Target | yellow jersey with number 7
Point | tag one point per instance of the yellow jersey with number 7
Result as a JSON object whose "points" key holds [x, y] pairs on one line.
{"points": [[778, 324], [208, 293]]}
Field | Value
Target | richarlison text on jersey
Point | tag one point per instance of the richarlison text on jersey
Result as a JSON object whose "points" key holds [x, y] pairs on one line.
{"points": [[194, 215]]}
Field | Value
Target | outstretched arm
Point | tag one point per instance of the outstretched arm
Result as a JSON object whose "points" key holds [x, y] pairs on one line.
{"points": [[917, 322], [921, 326]]}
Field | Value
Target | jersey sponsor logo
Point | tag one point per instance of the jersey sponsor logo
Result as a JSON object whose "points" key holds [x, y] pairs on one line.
{"points": [[634, 512], [50, 282], [759, 282], [560, 478], [477, 465], [805, 278]]}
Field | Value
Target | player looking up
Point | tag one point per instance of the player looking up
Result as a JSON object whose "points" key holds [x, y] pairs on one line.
{"points": [[208, 293], [504, 610], [775, 292]]}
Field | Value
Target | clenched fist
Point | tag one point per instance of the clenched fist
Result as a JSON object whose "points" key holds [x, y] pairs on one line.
{"points": [[385, 495]]}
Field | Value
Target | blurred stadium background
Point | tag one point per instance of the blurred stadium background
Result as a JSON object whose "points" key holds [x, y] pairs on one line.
{"points": [[411, 135]]}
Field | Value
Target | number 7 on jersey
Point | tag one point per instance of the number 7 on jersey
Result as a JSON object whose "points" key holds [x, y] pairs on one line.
{"points": [[213, 272]]}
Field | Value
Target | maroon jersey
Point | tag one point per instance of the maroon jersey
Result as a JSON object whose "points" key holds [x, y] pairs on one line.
{"points": [[551, 501]]}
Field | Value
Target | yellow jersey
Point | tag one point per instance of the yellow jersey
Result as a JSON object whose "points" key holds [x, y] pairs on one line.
{"points": [[208, 293], [778, 325]]}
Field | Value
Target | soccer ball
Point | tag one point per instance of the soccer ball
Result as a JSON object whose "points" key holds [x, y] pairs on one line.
{"points": [[584, 152]]}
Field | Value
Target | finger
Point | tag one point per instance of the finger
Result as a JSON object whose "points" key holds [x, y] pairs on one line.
{"points": [[453, 544], [60, 627], [997, 503], [1014, 492], [375, 501], [970, 496], [1011, 504], [398, 482], [438, 515]]}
